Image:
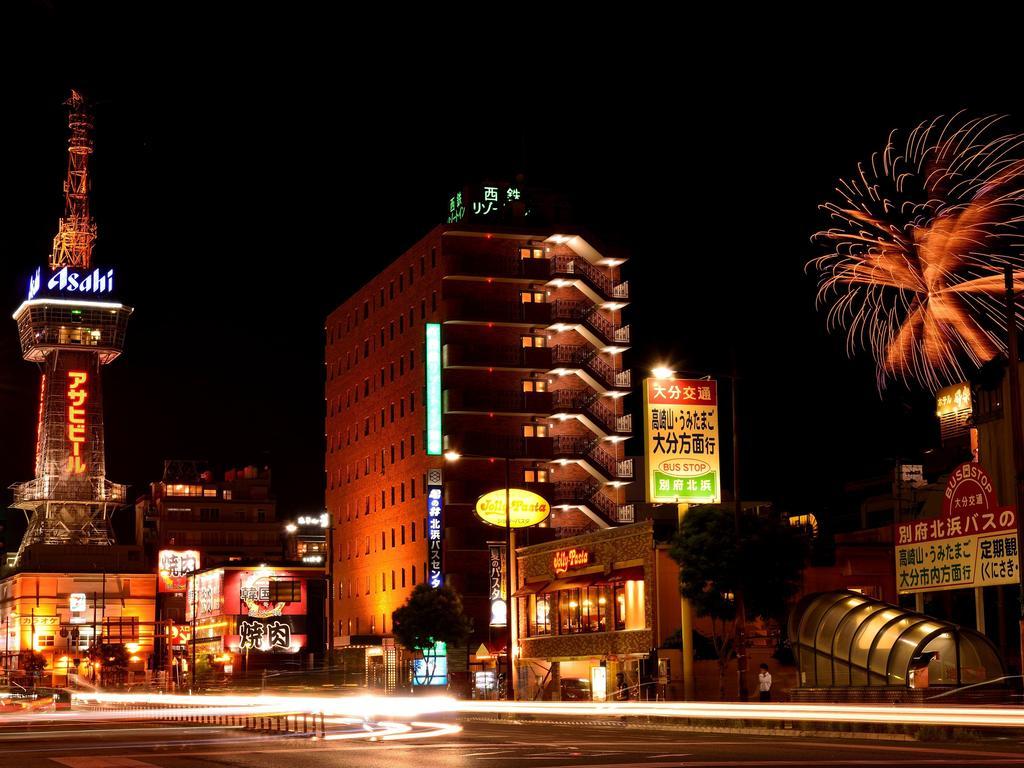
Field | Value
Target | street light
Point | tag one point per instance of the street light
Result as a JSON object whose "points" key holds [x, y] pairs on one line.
{"points": [[662, 372], [454, 456]]}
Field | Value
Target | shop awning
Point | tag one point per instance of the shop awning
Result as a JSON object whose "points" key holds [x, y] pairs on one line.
{"points": [[531, 588], [633, 573], [574, 582]]}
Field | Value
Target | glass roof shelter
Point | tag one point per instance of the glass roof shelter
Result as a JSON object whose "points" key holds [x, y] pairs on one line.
{"points": [[844, 639]]}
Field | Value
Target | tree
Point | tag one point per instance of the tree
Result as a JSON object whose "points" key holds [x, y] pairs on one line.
{"points": [[113, 661], [765, 563], [428, 617], [31, 663]]}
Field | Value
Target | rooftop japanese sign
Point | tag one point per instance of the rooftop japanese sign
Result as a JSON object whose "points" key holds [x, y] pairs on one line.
{"points": [[682, 441], [964, 549], [484, 201]]}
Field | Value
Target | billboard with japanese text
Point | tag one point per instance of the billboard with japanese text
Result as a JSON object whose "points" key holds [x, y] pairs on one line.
{"points": [[682, 441], [962, 549], [435, 532], [174, 568]]}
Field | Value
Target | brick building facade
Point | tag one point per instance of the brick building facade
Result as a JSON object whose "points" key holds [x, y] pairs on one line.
{"points": [[531, 338]]}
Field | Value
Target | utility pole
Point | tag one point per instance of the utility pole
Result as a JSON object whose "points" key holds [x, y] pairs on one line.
{"points": [[510, 693], [195, 612], [1017, 433], [741, 611]]}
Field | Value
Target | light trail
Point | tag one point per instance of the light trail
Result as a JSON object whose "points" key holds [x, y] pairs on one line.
{"points": [[368, 708]]}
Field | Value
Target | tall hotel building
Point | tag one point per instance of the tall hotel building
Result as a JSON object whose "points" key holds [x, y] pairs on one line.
{"points": [[524, 320]]}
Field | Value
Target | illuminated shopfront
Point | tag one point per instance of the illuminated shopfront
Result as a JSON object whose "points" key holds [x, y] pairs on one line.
{"points": [[62, 615], [257, 616], [588, 608]]}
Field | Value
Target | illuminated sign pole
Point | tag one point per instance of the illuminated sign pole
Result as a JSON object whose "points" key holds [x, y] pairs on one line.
{"points": [[684, 466], [433, 374]]}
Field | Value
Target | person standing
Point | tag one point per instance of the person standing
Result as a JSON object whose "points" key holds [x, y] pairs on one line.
{"points": [[621, 689], [764, 684]]}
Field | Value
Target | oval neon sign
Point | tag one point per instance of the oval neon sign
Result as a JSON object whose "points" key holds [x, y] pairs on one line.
{"points": [[525, 508]]}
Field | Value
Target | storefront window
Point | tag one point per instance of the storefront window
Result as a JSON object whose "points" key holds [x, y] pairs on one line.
{"points": [[540, 614], [601, 608]]}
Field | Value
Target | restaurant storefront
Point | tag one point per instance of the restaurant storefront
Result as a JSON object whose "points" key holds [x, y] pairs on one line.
{"points": [[254, 617], [588, 608]]}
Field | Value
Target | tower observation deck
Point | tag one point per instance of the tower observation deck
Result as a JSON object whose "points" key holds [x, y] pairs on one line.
{"points": [[71, 324]]}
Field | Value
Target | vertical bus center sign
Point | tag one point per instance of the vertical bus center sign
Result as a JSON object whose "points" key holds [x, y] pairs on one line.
{"points": [[435, 530], [683, 462]]}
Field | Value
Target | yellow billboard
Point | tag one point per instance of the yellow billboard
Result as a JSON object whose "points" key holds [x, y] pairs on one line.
{"points": [[682, 441], [525, 508]]}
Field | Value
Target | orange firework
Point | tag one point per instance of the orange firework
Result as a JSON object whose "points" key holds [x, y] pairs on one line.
{"points": [[919, 241]]}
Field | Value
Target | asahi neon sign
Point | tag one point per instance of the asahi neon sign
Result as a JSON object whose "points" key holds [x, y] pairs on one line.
{"points": [[69, 281], [77, 395]]}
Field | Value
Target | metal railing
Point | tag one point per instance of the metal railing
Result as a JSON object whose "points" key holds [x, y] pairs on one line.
{"points": [[586, 357], [599, 280]]}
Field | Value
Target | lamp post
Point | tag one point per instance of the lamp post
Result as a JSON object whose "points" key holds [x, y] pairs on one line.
{"points": [[455, 456], [330, 595], [1016, 430], [665, 372], [195, 612]]}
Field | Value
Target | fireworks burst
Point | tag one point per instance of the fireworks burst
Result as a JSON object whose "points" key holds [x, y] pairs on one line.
{"points": [[918, 244]]}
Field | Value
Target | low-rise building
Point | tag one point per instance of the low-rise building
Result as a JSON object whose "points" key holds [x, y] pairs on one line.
{"points": [[592, 606]]}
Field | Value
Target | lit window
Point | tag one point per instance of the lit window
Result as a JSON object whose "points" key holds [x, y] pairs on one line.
{"points": [[535, 342], [535, 430], [535, 385], [535, 475]]}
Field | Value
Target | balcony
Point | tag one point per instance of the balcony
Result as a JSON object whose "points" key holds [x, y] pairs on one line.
{"points": [[589, 316], [497, 356], [497, 265], [590, 405], [586, 357], [499, 309], [589, 449], [497, 401], [578, 268], [582, 493], [500, 445]]}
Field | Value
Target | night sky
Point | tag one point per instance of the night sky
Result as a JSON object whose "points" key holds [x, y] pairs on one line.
{"points": [[243, 198]]}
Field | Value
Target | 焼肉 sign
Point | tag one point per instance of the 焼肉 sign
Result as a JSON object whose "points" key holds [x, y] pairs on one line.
{"points": [[175, 567], [682, 441], [525, 508]]}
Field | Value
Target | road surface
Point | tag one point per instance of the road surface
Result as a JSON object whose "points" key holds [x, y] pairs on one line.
{"points": [[481, 744]]}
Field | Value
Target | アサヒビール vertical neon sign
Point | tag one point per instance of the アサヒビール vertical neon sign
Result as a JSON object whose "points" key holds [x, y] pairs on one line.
{"points": [[433, 368], [77, 395]]}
